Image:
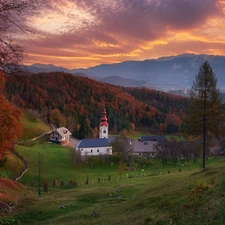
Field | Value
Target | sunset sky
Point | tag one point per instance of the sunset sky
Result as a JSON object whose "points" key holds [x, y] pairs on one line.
{"points": [[84, 33]]}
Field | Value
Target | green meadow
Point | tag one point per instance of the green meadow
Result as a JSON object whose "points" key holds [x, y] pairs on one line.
{"points": [[182, 194], [55, 163], [149, 195], [192, 196]]}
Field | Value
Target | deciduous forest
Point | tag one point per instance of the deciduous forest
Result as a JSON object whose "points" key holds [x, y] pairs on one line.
{"points": [[77, 102]]}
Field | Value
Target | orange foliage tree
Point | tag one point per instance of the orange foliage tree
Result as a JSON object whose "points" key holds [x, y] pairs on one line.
{"points": [[10, 127]]}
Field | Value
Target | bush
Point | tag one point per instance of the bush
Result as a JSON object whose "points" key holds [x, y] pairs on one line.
{"points": [[141, 161], [199, 186]]}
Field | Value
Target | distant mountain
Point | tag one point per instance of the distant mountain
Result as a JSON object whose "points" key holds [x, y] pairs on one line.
{"points": [[39, 68], [174, 72]]}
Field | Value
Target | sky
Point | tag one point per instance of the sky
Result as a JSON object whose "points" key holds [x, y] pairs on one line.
{"points": [[85, 33]]}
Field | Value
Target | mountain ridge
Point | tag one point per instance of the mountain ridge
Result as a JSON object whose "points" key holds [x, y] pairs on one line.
{"points": [[176, 71]]}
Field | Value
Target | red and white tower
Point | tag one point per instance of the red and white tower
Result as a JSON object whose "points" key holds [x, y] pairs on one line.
{"points": [[104, 126]]}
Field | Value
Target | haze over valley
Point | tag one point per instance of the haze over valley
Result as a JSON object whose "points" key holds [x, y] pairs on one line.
{"points": [[167, 73]]}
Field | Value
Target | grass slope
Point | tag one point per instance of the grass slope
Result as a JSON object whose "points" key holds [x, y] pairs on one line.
{"points": [[190, 197], [32, 127], [12, 167]]}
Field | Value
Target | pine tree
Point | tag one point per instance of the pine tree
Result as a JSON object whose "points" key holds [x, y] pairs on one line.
{"points": [[204, 117]]}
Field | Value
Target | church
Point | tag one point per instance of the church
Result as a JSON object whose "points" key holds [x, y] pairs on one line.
{"points": [[97, 146]]}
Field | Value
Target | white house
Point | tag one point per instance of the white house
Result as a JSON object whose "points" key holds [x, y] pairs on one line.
{"points": [[97, 146], [60, 135]]}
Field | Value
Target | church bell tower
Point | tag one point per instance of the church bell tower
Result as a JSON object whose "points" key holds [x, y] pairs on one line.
{"points": [[104, 126]]}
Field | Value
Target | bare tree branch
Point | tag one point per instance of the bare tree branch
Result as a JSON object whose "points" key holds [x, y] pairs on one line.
{"points": [[13, 24]]}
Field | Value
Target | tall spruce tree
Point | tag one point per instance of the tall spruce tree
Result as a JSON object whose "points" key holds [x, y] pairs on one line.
{"points": [[204, 117]]}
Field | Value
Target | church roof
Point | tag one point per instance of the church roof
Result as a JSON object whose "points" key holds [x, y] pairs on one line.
{"points": [[104, 119], [97, 142], [159, 138], [64, 132], [140, 147]]}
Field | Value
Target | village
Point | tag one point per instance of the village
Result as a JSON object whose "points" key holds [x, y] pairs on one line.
{"points": [[146, 145]]}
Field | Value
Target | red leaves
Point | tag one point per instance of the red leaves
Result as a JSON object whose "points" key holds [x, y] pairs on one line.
{"points": [[10, 127]]}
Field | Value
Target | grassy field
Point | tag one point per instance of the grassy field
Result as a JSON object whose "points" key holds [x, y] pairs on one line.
{"points": [[56, 164], [148, 196], [188, 197]]}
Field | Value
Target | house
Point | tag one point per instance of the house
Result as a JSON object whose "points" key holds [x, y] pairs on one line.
{"points": [[216, 151], [146, 145], [60, 135], [97, 146], [144, 148]]}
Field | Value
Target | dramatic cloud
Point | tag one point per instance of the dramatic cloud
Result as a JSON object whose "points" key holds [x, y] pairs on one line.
{"points": [[76, 33]]}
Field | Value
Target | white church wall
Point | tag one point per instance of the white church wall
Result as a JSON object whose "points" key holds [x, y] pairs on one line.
{"points": [[96, 151]]}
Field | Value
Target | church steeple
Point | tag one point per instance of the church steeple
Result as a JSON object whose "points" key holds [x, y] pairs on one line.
{"points": [[104, 126]]}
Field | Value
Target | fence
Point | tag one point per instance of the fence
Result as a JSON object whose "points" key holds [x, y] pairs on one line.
{"points": [[92, 181]]}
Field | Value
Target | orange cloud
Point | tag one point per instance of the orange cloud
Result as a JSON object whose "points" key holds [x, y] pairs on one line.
{"points": [[75, 33]]}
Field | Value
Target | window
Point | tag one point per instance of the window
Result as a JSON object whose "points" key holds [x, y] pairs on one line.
{"points": [[97, 150], [91, 150], [104, 131], [145, 143]]}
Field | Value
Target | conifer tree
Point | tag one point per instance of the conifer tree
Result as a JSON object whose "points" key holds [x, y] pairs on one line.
{"points": [[205, 114]]}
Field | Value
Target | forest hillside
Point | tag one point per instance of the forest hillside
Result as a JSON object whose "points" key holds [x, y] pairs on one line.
{"points": [[76, 102]]}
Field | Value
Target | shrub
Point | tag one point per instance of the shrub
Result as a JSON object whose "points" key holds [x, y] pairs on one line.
{"points": [[199, 186]]}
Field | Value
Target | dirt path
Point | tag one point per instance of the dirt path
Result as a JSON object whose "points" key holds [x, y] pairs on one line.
{"points": [[72, 143]]}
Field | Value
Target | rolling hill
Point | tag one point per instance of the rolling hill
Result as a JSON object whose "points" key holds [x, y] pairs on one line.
{"points": [[74, 101]]}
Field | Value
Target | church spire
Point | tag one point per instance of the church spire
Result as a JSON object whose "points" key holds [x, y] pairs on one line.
{"points": [[103, 127], [104, 119]]}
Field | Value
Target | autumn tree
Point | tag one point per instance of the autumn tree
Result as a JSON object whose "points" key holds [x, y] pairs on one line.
{"points": [[57, 118], [204, 116], [12, 27], [10, 127]]}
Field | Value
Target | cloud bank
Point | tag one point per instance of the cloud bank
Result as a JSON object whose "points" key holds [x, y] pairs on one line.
{"points": [[76, 33]]}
